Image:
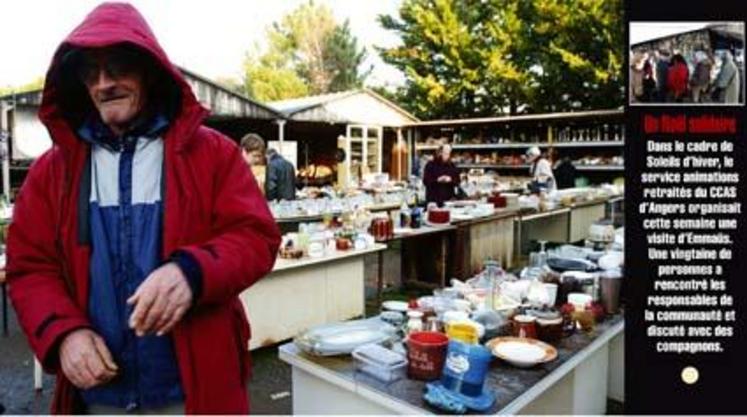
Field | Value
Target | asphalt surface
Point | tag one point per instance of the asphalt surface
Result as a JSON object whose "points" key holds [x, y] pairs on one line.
{"points": [[269, 390]]}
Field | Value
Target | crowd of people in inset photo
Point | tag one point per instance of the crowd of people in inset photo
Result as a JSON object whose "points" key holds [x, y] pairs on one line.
{"points": [[663, 76]]}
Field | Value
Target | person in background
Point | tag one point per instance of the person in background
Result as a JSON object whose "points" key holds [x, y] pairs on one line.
{"points": [[649, 83], [253, 151], [727, 82], [133, 236], [419, 164], [636, 76], [280, 183], [540, 169], [441, 177], [661, 73], [563, 170], [701, 77], [677, 79]]}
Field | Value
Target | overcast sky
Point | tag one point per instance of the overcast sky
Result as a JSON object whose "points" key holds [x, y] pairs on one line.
{"points": [[209, 37]]}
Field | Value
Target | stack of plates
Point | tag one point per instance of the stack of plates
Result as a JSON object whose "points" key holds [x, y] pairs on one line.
{"points": [[343, 338]]}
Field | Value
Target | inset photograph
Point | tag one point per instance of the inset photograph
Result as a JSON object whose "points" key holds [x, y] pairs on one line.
{"points": [[685, 63]]}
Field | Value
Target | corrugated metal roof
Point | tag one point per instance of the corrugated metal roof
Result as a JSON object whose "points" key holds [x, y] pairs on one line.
{"points": [[228, 102], [331, 108], [645, 32], [220, 100], [295, 105]]}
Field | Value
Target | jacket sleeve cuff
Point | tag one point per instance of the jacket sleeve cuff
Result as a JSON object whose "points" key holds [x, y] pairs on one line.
{"points": [[49, 345], [192, 271]]}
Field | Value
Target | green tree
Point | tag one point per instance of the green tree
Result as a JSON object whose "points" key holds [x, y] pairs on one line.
{"points": [[344, 59], [301, 38], [465, 58], [269, 78], [308, 52]]}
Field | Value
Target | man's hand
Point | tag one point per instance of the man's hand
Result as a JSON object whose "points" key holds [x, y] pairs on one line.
{"points": [[160, 301], [85, 359], [444, 178]]}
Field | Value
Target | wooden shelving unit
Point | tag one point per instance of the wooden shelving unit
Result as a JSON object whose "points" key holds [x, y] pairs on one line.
{"points": [[577, 135]]}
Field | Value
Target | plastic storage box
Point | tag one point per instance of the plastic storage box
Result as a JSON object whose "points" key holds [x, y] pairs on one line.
{"points": [[379, 362]]}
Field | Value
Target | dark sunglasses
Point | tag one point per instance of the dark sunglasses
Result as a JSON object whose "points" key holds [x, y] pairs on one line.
{"points": [[116, 63]]}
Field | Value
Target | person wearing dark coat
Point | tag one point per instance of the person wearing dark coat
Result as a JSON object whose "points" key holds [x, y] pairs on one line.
{"points": [[280, 183], [441, 177], [662, 74], [565, 173]]}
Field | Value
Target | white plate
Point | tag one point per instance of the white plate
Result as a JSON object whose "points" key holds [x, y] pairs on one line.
{"points": [[522, 352], [394, 306], [427, 302], [454, 316], [463, 216]]}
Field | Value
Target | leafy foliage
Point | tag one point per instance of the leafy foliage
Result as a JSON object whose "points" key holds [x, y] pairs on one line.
{"points": [[308, 53], [465, 58]]}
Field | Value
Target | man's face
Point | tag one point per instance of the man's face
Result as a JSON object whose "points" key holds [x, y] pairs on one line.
{"points": [[446, 153], [115, 85], [253, 157]]}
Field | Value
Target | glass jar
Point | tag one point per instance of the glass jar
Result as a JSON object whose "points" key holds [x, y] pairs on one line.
{"points": [[414, 321]]}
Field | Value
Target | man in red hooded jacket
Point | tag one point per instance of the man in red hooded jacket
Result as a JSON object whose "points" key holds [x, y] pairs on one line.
{"points": [[133, 236]]}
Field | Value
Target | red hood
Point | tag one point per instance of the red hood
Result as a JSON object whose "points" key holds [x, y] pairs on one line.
{"points": [[109, 24]]}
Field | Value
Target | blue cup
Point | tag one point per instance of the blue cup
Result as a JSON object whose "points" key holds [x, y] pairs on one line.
{"points": [[466, 368]]}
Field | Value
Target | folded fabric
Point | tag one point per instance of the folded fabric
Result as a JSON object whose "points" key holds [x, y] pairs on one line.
{"points": [[441, 398]]}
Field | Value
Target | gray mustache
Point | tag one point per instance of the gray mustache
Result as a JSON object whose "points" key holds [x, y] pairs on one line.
{"points": [[110, 95]]}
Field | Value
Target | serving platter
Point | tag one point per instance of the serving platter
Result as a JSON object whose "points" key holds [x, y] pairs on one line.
{"points": [[522, 352]]}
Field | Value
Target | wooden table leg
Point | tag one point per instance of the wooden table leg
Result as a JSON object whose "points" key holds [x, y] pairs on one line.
{"points": [[5, 309], [38, 380], [444, 237], [380, 278]]}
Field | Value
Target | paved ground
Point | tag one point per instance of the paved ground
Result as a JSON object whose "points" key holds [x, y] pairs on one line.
{"points": [[17, 392], [269, 389]]}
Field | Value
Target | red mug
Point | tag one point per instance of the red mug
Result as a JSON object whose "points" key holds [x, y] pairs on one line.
{"points": [[426, 354]]}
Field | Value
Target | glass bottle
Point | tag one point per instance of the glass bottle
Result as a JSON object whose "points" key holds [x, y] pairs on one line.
{"points": [[542, 255], [494, 277], [404, 216]]}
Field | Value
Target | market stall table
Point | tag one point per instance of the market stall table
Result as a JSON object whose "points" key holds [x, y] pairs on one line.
{"points": [[562, 224], [616, 210], [412, 234], [550, 225], [481, 238], [302, 293], [575, 383], [582, 216], [290, 223]]}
